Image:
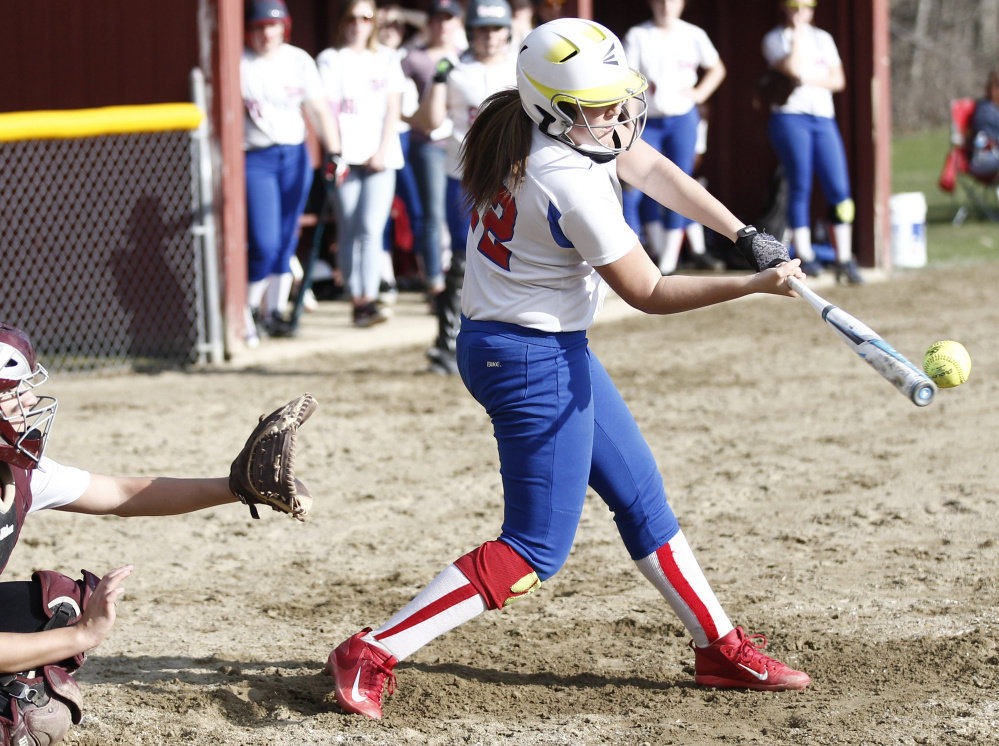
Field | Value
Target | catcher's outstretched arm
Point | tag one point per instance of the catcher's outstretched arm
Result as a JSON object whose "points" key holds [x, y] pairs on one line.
{"points": [[138, 496]]}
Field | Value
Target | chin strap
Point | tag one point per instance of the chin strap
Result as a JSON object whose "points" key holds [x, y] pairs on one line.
{"points": [[595, 156]]}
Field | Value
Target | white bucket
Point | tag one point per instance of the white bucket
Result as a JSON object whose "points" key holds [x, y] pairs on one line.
{"points": [[908, 229]]}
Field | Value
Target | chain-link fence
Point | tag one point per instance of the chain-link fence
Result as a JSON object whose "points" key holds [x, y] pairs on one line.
{"points": [[102, 263]]}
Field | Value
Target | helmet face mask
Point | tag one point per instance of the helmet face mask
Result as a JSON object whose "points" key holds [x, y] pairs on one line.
{"points": [[24, 429], [571, 64], [632, 122]]}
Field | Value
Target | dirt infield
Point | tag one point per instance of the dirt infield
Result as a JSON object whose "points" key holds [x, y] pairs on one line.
{"points": [[855, 530]]}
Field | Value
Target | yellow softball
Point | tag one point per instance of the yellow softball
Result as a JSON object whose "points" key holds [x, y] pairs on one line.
{"points": [[947, 363]]}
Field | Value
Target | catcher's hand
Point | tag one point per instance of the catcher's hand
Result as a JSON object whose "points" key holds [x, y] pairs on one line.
{"points": [[761, 250], [264, 471]]}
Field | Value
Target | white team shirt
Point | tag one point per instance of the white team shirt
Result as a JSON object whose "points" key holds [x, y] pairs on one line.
{"points": [[273, 91], [670, 61], [54, 485], [357, 86], [530, 259], [468, 85], [822, 56]]}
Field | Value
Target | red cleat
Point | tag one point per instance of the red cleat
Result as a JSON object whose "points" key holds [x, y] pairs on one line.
{"points": [[360, 672], [736, 662]]}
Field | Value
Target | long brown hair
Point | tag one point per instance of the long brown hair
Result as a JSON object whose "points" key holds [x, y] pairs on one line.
{"points": [[494, 153]]}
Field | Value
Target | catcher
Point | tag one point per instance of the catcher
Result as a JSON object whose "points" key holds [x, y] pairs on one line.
{"points": [[48, 624]]}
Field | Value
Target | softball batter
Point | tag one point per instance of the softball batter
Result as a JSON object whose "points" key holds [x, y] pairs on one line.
{"points": [[541, 166]]}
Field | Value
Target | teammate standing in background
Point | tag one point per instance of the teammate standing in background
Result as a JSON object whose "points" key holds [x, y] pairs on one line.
{"points": [[278, 81], [364, 84], [803, 131], [457, 92], [428, 146], [670, 52], [548, 237], [48, 624]]}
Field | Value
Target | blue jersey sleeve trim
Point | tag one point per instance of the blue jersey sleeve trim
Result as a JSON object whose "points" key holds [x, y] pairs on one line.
{"points": [[553, 217]]}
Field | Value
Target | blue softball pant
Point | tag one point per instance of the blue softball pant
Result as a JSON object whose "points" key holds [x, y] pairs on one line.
{"points": [[278, 180], [560, 425], [808, 145], [676, 138]]}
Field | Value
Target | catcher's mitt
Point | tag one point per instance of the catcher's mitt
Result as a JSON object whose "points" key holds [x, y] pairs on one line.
{"points": [[264, 471]]}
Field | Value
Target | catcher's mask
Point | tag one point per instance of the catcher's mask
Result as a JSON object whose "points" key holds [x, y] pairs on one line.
{"points": [[571, 63], [24, 428]]}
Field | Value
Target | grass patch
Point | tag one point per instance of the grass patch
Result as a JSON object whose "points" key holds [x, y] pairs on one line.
{"points": [[917, 160]]}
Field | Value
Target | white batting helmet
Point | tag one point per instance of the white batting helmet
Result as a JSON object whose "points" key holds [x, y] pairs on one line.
{"points": [[573, 62]]}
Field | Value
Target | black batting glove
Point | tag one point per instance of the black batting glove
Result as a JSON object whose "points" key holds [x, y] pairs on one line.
{"points": [[444, 68], [761, 250]]}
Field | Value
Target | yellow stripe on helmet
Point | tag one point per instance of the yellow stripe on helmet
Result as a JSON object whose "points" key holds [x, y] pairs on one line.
{"points": [[621, 90]]}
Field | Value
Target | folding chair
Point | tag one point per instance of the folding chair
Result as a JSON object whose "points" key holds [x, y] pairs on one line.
{"points": [[982, 195]]}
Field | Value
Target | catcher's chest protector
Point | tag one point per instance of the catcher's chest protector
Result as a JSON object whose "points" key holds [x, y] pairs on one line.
{"points": [[15, 500]]}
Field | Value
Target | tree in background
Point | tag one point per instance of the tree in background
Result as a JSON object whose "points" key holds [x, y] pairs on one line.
{"points": [[940, 49]]}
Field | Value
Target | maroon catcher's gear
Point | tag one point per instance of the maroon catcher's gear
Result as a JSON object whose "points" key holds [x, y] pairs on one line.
{"points": [[24, 432], [64, 599], [37, 707], [498, 573], [37, 710], [15, 501]]}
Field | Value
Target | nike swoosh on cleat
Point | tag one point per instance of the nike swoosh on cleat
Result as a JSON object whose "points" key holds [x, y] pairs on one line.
{"points": [[761, 676], [355, 694]]}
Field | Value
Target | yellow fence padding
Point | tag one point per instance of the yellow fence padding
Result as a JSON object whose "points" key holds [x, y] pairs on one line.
{"points": [[109, 120]]}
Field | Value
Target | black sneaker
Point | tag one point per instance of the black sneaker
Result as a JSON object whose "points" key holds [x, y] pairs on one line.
{"points": [[706, 261], [848, 274], [812, 268], [370, 314], [278, 327]]}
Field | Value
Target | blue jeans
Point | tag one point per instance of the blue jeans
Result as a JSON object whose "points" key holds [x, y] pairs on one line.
{"points": [[278, 180], [560, 425], [364, 202], [407, 190], [808, 145], [429, 168]]}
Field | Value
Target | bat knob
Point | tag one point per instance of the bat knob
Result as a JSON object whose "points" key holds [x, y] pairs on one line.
{"points": [[923, 394]]}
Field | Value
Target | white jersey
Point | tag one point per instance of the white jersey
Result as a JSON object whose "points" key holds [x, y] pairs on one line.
{"points": [[274, 89], [358, 85], [531, 258], [821, 57], [54, 485], [670, 60], [468, 85]]}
